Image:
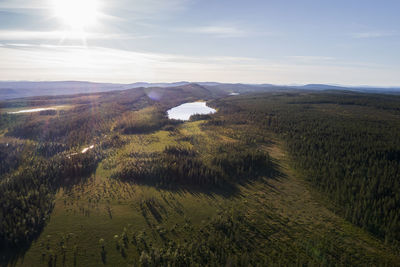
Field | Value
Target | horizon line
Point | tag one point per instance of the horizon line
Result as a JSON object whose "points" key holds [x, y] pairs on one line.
{"points": [[198, 82]]}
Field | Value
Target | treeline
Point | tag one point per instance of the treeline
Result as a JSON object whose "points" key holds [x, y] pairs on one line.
{"points": [[378, 101], [179, 166], [171, 168], [199, 117], [142, 121], [7, 120], [12, 154], [240, 162]]}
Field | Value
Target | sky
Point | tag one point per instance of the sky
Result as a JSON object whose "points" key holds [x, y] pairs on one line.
{"points": [[348, 42]]}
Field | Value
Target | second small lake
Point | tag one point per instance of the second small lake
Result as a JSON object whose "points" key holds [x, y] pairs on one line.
{"points": [[184, 111], [35, 110]]}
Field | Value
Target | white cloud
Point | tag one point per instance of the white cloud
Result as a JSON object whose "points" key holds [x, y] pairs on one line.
{"points": [[143, 6], [374, 34], [311, 59], [153, 6], [223, 31], [47, 62], [60, 35], [220, 31], [22, 4]]}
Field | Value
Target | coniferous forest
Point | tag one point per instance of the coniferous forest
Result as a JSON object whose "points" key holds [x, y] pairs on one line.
{"points": [[281, 178], [347, 146]]}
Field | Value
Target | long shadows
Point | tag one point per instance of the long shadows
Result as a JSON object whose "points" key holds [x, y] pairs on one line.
{"points": [[228, 188], [10, 254]]}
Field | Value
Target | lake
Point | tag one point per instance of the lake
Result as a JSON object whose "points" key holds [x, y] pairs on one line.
{"points": [[184, 111], [35, 110]]}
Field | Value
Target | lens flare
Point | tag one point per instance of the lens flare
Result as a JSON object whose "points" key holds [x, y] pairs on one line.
{"points": [[77, 14]]}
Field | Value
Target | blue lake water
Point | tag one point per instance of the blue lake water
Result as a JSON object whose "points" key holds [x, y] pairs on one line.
{"points": [[184, 111]]}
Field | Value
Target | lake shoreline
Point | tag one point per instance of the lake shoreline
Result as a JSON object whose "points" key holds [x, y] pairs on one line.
{"points": [[186, 110]]}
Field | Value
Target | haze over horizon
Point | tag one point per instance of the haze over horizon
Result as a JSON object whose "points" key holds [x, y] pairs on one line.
{"points": [[279, 42]]}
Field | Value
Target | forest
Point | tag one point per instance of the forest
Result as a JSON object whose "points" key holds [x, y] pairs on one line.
{"points": [[177, 166], [346, 145], [274, 178]]}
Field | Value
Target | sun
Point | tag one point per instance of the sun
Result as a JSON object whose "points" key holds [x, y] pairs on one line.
{"points": [[77, 14]]}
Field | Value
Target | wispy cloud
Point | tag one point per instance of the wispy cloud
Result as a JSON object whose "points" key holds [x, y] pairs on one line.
{"points": [[219, 31], [154, 6], [224, 31], [53, 62], [21, 4], [311, 59], [374, 34], [7, 35]]}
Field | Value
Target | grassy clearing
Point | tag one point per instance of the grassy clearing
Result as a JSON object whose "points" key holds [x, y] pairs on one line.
{"points": [[102, 208]]}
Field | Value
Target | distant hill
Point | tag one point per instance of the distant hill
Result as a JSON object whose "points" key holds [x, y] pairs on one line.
{"points": [[21, 89], [365, 89], [243, 88], [9, 90]]}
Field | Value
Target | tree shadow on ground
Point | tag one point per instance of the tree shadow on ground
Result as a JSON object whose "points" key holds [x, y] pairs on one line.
{"points": [[10, 255], [228, 188]]}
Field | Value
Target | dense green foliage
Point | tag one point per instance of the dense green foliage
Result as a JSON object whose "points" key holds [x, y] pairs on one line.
{"points": [[143, 121], [7, 120], [27, 194], [357, 162], [179, 166], [11, 156], [172, 168], [346, 144], [199, 117], [239, 162]]}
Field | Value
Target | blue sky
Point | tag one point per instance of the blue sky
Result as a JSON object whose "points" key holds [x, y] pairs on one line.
{"points": [[352, 42]]}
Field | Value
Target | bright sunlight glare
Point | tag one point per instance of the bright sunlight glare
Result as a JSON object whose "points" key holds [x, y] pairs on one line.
{"points": [[77, 14]]}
